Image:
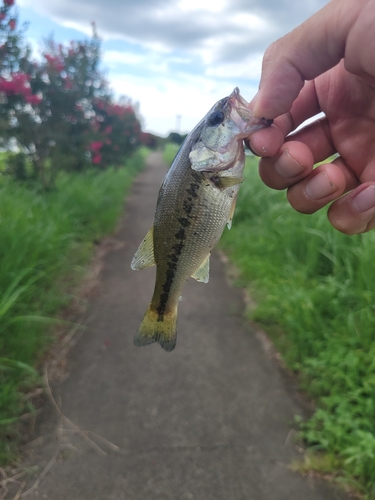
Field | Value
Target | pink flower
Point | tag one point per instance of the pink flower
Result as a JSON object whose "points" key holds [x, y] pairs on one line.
{"points": [[68, 84], [17, 85], [55, 62], [2, 16], [33, 99], [97, 158], [8, 3], [96, 147], [100, 104]]}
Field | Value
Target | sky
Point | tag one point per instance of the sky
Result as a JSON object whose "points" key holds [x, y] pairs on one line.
{"points": [[175, 58]]}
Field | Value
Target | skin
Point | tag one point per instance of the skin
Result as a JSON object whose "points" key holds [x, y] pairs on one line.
{"points": [[326, 64]]}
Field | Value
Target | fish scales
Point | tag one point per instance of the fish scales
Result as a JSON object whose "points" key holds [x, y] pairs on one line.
{"points": [[196, 217], [195, 202]]}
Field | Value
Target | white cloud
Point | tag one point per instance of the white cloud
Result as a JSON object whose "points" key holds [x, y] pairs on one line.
{"points": [[86, 29], [249, 68], [250, 21], [113, 57], [162, 99], [197, 5], [183, 24], [154, 62], [218, 42]]}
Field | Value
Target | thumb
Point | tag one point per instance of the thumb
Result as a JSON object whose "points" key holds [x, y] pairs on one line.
{"points": [[306, 52]]}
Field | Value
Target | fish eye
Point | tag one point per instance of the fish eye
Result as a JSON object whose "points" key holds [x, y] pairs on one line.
{"points": [[216, 118]]}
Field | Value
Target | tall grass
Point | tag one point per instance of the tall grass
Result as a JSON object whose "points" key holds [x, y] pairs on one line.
{"points": [[45, 239], [315, 294]]}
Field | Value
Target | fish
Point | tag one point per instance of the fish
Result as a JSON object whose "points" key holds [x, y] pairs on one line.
{"points": [[196, 201]]}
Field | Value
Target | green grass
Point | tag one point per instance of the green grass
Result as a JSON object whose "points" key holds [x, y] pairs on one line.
{"points": [[170, 152], [4, 155], [315, 294], [46, 238]]}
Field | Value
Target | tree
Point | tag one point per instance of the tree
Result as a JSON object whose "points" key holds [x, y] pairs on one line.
{"points": [[60, 111], [15, 90], [118, 131], [150, 140], [57, 123], [176, 138], [69, 80]]}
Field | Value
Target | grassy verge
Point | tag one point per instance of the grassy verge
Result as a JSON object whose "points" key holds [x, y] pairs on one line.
{"points": [[315, 294], [170, 152], [45, 240]]}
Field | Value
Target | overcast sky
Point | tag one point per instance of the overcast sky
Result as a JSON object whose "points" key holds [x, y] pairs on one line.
{"points": [[173, 57]]}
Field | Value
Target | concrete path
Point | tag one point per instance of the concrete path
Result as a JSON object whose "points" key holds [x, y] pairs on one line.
{"points": [[209, 421]]}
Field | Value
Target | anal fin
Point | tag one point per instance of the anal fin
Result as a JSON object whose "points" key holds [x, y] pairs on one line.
{"points": [[203, 272], [144, 256]]}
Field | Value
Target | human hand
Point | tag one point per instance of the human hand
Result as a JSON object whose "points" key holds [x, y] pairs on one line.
{"points": [[326, 64]]}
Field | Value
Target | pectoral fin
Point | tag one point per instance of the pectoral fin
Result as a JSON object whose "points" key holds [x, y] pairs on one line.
{"points": [[203, 272], [231, 213], [225, 182], [144, 256]]}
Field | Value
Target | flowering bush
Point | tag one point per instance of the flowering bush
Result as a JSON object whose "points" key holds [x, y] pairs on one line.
{"points": [[18, 84], [118, 129], [60, 110]]}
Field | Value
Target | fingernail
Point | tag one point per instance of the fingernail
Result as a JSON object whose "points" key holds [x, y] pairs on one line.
{"points": [[248, 145], [364, 200], [319, 186], [286, 166]]}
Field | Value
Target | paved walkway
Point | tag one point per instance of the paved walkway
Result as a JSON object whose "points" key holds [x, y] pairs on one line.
{"points": [[209, 421]]}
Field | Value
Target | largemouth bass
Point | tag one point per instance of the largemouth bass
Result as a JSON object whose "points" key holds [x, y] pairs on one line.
{"points": [[196, 200]]}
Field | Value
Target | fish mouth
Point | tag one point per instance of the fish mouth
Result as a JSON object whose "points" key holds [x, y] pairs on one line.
{"points": [[237, 98], [238, 103]]}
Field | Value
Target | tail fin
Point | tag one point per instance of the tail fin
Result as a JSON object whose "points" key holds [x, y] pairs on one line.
{"points": [[157, 329]]}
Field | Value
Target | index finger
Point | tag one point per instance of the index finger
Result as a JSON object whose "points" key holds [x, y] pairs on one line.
{"points": [[306, 52]]}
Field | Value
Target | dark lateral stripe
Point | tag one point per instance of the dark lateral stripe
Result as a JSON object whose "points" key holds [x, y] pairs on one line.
{"points": [[180, 235]]}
